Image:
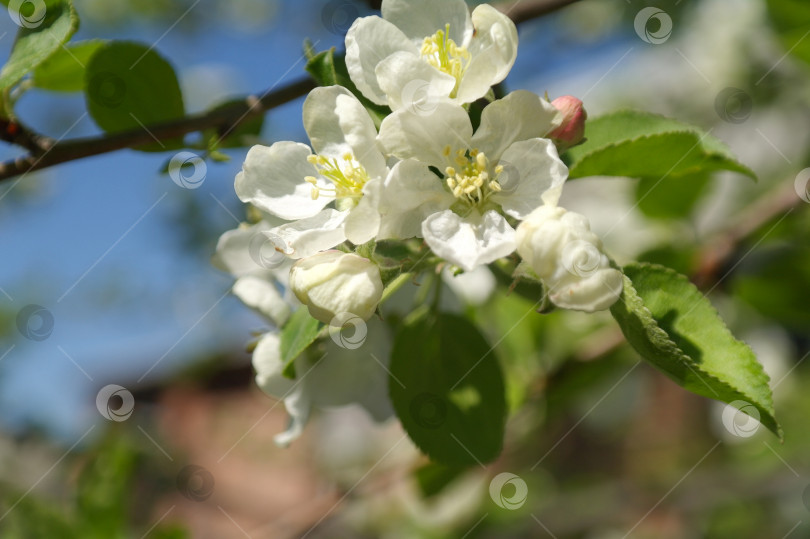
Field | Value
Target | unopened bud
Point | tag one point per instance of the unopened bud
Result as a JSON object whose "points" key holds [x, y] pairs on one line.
{"points": [[331, 282], [572, 129]]}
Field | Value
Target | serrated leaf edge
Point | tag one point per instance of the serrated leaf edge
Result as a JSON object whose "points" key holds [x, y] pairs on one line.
{"points": [[685, 358]]}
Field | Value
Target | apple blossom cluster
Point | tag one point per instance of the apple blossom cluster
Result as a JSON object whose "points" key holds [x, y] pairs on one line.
{"points": [[473, 196]]}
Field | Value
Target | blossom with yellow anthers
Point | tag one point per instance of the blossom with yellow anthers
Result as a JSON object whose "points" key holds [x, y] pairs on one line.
{"points": [[471, 182], [348, 180], [445, 55]]}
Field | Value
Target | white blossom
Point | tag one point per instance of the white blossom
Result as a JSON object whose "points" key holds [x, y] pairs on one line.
{"points": [[431, 50], [290, 182], [506, 167], [561, 249], [261, 272], [340, 378]]}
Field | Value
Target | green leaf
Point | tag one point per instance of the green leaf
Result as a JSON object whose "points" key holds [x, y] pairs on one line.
{"points": [[300, 331], [130, 86], [35, 44], [673, 199], [775, 280], [329, 69], [432, 478], [643, 145], [791, 20], [64, 70], [447, 389], [675, 328]]}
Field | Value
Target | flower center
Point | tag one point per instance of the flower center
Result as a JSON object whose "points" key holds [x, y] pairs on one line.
{"points": [[471, 182], [347, 176], [442, 53]]}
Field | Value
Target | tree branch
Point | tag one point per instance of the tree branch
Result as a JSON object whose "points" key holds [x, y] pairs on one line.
{"points": [[521, 11], [225, 120], [46, 152]]}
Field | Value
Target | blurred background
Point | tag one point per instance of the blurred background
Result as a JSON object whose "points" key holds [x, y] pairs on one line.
{"points": [[105, 279]]}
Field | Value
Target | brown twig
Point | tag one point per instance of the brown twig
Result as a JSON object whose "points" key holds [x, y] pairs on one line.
{"points": [[523, 10], [45, 152], [225, 119]]}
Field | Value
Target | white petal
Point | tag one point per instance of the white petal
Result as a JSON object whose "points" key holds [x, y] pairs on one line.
{"points": [[298, 405], [294, 393], [267, 364], [470, 241], [337, 123], [272, 179], [306, 237], [533, 175], [419, 19], [363, 221], [262, 295], [521, 115], [369, 41], [595, 292], [408, 135], [473, 287], [413, 84], [233, 252], [412, 193], [493, 50]]}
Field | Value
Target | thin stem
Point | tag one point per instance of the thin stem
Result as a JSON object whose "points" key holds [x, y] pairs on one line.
{"points": [[395, 285]]}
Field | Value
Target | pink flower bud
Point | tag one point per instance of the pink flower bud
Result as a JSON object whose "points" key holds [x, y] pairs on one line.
{"points": [[572, 130]]}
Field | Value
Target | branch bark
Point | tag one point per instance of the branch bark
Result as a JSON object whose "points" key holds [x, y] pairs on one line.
{"points": [[225, 120], [45, 152]]}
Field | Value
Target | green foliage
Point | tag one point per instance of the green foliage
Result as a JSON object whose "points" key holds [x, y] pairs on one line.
{"points": [[128, 86], [675, 328], [432, 478], [776, 281], [447, 389], [300, 331], [64, 71], [100, 507], [34, 45], [791, 20], [676, 199], [643, 145], [103, 488]]}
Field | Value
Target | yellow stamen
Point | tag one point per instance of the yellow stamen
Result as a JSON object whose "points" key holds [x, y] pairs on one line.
{"points": [[473, 181], [347, 177], [442, 53]]}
